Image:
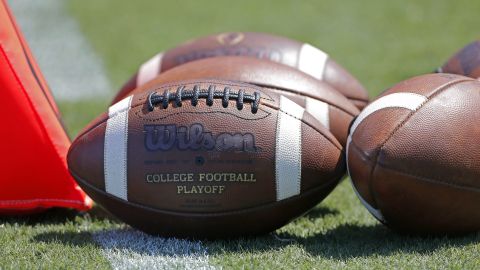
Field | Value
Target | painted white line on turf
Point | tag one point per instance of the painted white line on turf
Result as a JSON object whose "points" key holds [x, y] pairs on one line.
{"points": [[71, 67], [131, 249]]}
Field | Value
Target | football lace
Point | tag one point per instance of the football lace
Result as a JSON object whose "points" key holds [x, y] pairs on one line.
{"points": [[209, 94]]}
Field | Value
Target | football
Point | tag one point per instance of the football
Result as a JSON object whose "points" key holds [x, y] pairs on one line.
{"points": [[206, 159], [302, 56], [323, 102], [414, 158], [465, 62]]}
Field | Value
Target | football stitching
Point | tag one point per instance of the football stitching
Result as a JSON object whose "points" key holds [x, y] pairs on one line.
{"points": [[233, 84], [125, 159], [229, 83], [278, 109]]}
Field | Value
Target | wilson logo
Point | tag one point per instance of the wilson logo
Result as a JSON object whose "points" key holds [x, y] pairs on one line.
{"points": [[195, 137]]}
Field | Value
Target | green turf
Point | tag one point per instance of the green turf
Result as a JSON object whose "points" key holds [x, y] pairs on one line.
{"points": [[381, 42], [57, 239]]}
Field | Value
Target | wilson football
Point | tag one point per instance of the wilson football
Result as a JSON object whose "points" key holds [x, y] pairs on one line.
{"points": [[414, 158], [206, 158], [465, 62], [289, 52], [323, 102]]}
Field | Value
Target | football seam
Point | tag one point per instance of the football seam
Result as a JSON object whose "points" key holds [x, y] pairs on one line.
{"points": [[137, 113], [354, 147], [231, 212], [303, 95], [355, 98], [431, 180], [436, 92]]}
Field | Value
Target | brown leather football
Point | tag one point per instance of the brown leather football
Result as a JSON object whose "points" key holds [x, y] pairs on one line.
{"points": [[206, 158], [323, 102], [289, 52], [465, 62], [414, 158]]}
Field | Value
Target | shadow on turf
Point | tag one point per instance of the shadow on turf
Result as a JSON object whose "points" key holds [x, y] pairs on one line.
{"points": [[343, 242], [77, 239], [347, 241], [55, 216], [320, 212], [350, 241]]}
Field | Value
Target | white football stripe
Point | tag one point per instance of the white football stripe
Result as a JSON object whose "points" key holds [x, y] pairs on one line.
{"points": [[406, 100], [319, 110], [115, 153], [150, 69], [312, 61], [131, 249], [288, 151]]}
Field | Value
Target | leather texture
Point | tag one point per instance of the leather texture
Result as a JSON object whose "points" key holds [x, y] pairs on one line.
{"points": [[419, 167], [465, 62], [282, 79], [257, 45], [237, 194]]}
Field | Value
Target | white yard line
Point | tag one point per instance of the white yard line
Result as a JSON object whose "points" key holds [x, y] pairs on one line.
{"points": [[71, 67], [131, 249]]}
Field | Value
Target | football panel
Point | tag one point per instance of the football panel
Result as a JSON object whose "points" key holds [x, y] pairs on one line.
{"points": [[465, 62], [252, 221], [85, 155], [315, 96], [323, 159], [218, 177], [437, 141], [360, 171], [144, 128], [305, 57], [372, 127], [416, 204], [425, 85], [255, 45], [254, 71]]}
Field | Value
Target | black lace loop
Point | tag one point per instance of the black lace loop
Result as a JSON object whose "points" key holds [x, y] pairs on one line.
{"points": [[196, 94], [178, 96], [226, 97], [209, 94], [241, 94], [256, 102], [150, 102], [166, 98]]}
